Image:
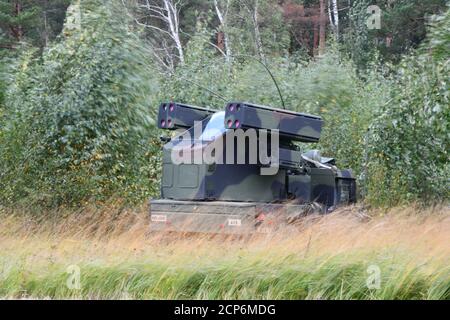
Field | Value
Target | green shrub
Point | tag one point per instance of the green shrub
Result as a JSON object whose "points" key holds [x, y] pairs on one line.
{"points": [[78, 122], [410, 139]]}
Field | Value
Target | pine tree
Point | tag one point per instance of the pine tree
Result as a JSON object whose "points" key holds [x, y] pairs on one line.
{"points": [[16, 17], [33, 21]]}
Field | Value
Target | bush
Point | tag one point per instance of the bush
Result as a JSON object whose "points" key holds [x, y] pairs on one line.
{"points": [[409, 141], [78, 123]]}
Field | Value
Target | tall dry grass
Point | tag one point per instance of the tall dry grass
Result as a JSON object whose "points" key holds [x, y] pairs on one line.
{"points": [[331, 257]]}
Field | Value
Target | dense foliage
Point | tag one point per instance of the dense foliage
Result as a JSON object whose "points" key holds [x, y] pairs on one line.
{"points": [[76, 120], [33, 21], [410, 141]]}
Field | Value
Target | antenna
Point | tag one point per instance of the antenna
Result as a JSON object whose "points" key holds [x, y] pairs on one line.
{"points": [[204, 88], [237, 56], [270, 73]]}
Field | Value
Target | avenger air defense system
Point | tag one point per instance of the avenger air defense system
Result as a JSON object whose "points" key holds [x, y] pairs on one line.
{"points": [[240, 170]]}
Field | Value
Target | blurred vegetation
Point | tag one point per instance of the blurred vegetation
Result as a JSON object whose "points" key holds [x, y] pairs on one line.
{"points": [[77, 113], [339, 277], [77, 121], [402, 255], [410, 140], [33, 21]]}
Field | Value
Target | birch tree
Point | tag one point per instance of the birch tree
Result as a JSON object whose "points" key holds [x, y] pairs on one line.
{"points": [[333, 14], [222, 15], [252, 7], [322, 26], [162, 18]]}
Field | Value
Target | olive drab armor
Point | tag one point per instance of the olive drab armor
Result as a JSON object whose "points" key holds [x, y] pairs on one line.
{"points": [[208, 193]]}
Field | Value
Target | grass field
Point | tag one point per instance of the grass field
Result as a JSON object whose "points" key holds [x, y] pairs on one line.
{"points": [[107, 253]]}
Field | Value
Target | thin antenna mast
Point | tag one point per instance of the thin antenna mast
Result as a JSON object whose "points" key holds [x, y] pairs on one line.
{"points": [[270, 73]]}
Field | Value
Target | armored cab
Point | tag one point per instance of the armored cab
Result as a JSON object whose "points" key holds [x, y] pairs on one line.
{"points": [[212, 180]]}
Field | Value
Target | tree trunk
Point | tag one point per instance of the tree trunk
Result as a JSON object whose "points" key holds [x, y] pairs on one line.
{"points": [[258, 40], [174, 26], [223, 26], [45, 29], [330, 16], [322, 24], [315, 46], [17, 31], [335, 18]]}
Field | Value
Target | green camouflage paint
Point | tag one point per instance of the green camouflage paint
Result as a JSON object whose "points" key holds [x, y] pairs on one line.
{"points": [[301, 179]]}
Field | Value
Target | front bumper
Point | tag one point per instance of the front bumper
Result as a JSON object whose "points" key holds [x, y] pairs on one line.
{"points": [[221, 217]]}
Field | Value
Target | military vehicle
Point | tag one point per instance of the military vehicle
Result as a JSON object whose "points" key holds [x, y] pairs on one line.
{"points": [[237, 195]]}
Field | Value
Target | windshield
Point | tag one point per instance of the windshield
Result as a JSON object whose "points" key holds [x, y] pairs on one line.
{"points": [[214, 128]]}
